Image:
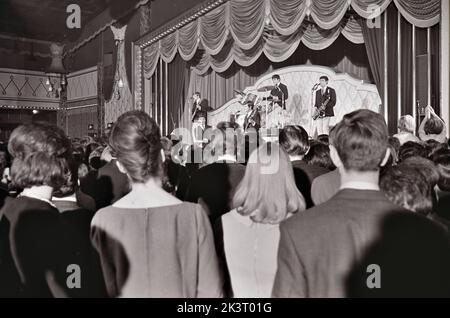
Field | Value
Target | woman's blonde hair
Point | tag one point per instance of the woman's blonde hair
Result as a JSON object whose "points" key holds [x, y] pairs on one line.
{"points": [[268, 192]]}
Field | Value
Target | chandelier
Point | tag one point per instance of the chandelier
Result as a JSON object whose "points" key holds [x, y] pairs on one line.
{"points": [[56, 81]]}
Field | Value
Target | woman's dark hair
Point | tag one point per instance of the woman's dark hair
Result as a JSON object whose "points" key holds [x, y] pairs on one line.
{"points": [[433, 126], [319, 155], [40, 152], [136, 143], [294, 140], [70, 178], [412, 149], [325, 139]]}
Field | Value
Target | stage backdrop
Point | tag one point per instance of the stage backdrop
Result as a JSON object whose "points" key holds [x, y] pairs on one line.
{"points": [[352, 94]]}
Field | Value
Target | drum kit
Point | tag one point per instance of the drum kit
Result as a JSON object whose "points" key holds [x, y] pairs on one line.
{"points": [[271, 113]]}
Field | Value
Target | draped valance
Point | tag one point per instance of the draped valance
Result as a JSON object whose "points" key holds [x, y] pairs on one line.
{"points": [[241, 30]]}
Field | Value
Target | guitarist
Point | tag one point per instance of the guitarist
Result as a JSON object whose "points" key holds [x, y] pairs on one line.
{"points": [[325, 102]]}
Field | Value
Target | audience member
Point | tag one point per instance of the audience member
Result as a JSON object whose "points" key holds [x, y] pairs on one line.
{"points": [[150, 243], [318, 247], [262, 200], [294, 140]]}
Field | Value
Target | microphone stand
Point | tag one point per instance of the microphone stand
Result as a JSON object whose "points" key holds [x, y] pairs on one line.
{"points": [[311, 126]]}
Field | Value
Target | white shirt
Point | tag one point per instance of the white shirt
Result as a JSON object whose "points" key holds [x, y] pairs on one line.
{"points": [[358, 185], [227, 158], [37, 198]]}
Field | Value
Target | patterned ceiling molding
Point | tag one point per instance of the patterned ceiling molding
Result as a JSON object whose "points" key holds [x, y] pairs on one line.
{"points": [[178, 23]]}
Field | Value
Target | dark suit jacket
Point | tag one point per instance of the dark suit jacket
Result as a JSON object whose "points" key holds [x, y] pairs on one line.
{"points": [[331, 93], [256, 118], [215, 184], [201, 112], [282, 94], [319, 247], [304, 175]]}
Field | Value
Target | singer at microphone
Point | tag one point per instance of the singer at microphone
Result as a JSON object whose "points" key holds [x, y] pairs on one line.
{"points": [[279, 92]]}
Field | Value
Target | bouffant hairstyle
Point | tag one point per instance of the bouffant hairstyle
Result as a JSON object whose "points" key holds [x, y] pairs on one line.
{"points": [[406, 123], [361, 140], [40, 153], [136, 143], [294, 140], [319, 155]]}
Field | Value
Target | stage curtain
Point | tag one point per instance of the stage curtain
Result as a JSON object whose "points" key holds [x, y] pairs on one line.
{"points": [[277, 48], [374, 43], [406, 68], [391, 16], [241, 30], [219, 87], [178, 70], [435, 69]]}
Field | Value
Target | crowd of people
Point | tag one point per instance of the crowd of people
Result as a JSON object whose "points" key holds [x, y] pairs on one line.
{"points": [[299, 217]]}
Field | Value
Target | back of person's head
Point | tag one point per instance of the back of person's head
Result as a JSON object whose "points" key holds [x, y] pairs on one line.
{"points": [[425, 167], [70, 179], [433, 126], [404, 187], [136, 143], [40, 152], [325, 139], [95, 161], [268, 168], [294, 140], [319, 155], [412, 149], [435, 148], [223, 142], [443, 165], [406, 124], [361, 140]]}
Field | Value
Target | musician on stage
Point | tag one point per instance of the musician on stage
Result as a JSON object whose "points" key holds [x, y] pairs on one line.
{"points": [[199, 116], [325, 102], [252, 118], [280, 92]]}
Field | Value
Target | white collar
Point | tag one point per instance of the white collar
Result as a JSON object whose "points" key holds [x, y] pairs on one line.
{"points": [[360, 185], [71, 198], [296, 158], [37, 198], [324, 89], [227, 157]]}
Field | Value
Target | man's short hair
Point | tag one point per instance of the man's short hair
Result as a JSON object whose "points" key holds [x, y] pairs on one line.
{"points": [[294, 140], [361, 140], [198, 94], [325, 78], [405, 187], [276, 76]]}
